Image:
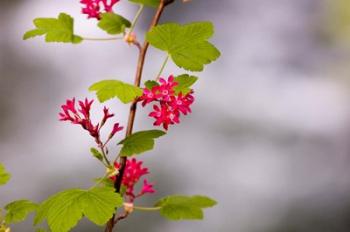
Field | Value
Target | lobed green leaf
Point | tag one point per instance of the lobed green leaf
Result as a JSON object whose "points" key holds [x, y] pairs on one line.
{"points": [[40, 230], [139, 142], [179, 207], [55, 30], [17, 211], [150, 84], [109, 89], [113, 23], [4, 175], [187, 44], [64, 210], [185, 82]]}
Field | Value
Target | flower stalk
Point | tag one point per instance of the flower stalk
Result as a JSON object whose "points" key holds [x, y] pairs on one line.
{"points": [[163, 67]]}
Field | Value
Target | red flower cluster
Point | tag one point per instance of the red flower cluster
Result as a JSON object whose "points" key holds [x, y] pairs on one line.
{"points": [[94, 8], [132, 174], [81, 116], [170, 106]]}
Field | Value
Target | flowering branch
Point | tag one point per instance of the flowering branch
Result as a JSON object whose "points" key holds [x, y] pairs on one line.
{"points": [[188, 47], [133, 108]]}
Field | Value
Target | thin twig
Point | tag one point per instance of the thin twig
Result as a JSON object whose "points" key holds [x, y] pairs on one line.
{"points": [[102, 149], [162, 68], [147, 208], [134, 22]]}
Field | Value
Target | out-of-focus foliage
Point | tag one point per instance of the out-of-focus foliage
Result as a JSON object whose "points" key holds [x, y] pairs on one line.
{"points": [[338, 17], [4, 175]]}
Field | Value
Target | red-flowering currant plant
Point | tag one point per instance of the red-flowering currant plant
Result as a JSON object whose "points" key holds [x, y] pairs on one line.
{"points": [[113, 197]]}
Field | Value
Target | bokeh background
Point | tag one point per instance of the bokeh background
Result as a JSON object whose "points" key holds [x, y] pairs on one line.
{"points": [[269, 136]]}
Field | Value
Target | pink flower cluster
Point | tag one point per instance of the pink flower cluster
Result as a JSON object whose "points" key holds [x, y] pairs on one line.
{"points": [[169, 106], [81, 116], [94, 8], [132, 174]]}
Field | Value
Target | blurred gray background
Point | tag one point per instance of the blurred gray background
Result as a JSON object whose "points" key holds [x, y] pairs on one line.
{"points": [[268, 138]]}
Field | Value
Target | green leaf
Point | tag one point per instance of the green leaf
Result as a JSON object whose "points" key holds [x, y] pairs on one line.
{"points": [[150, 84], [33, 33], [55, 30], [17, 211], [186, 44], [65, 209], [4, 175], [178, 207], [41, 230], [109, 89], [44, 207], [202, 201], [151, 3], [113, 23], [96, 154], [184, 81], [140, 142]]}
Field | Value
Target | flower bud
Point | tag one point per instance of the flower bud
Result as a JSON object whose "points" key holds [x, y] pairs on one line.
{"points": [[112, 171], [130, 38], [128, 207]]}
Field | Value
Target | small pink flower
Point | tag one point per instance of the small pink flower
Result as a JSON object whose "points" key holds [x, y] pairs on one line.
{"points": [[70, 105], [69, 112], [168, 105], [108, 7], [149, 96], [147, 188], [94, 8], [165, 116], [81, 116], [93, 130], [166, 89], [116, 128], [182, 103], [91, 8], [132, 174], [106, 115], [85, 107]]}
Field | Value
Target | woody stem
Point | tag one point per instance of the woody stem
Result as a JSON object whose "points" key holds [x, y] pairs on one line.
{"points": [[132, 112]]}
